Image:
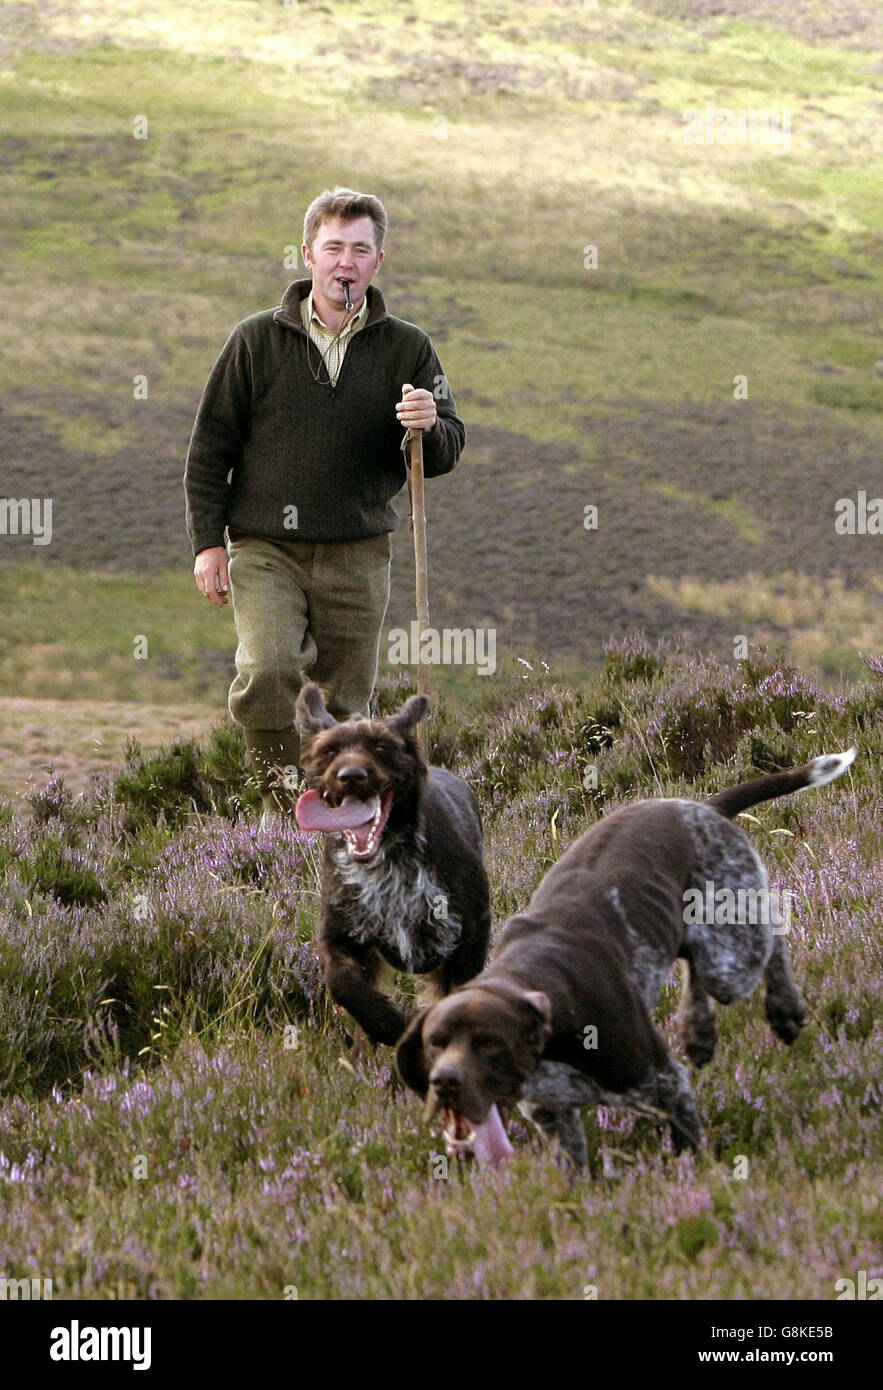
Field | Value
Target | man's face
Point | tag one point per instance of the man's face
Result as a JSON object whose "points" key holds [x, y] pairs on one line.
{"points": [[342, 251]]}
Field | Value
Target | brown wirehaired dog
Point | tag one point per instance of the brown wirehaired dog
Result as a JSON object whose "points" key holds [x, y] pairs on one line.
{"points": [[404, 878], [561, 1018]]}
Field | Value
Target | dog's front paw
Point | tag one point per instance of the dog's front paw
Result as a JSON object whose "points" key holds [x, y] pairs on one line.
{"points": [[786, 1017], [700, 1050], [699, 1036]]}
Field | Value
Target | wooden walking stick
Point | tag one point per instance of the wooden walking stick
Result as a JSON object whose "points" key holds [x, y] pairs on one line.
{"points": [[414, 441]]}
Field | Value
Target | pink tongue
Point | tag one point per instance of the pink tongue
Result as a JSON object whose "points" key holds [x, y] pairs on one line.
{"points": [[491, 1143], [312, 813]]}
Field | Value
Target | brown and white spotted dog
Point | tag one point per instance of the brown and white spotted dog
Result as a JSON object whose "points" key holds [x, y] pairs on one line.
{"points": [[404, 878], [560, 1018]]}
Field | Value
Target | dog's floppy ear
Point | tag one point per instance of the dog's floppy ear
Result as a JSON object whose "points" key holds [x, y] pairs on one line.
{"points": [[311, 716], [540, 1002], [410, 1056], [411, 713], [531, 1041]]}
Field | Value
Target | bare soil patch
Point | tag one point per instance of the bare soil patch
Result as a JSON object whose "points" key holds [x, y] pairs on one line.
{"points": [[77, 738]]}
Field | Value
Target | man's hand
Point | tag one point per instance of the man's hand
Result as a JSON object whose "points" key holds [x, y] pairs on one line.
{"points": [[416, 409], [210, 572]]}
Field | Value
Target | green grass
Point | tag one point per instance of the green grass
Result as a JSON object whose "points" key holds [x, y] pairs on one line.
{"points": [[75, 632]]}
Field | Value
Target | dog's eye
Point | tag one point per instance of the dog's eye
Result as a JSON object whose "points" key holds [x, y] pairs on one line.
{"points": [[485, 1042], [326, 756]]}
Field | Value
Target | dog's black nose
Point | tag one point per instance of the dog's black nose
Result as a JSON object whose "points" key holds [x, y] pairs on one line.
{"points": [[352, 773], [448, 1082]]}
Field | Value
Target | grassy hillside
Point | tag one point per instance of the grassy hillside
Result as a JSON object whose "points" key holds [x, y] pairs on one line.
{"points": [[185, 1116], [504, 141]]}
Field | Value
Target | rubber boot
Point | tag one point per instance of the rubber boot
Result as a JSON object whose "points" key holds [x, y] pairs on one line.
{"points": [[275, 754]]}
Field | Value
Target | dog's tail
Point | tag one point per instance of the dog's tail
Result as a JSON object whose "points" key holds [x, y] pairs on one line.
{"points": [[815, 774]]}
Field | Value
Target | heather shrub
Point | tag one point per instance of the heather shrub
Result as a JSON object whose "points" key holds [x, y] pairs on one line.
{"points": [[219, 927], [225, 769], [510, 753], [545, 740], [625, 770], [863, 703], [56, 802], [764, 750], [694, 718], [785, 697], [632, 658], [524, 839], [64, 859], [460, 731], [63, 871], [168, 787], [391, 692], [694, 722]]}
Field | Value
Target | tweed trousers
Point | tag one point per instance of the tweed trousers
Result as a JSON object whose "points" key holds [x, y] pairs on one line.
{"points": [[305, 610]]}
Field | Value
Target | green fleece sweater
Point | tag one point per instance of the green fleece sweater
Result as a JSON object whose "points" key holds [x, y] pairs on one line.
{"points": [[278, 454]]}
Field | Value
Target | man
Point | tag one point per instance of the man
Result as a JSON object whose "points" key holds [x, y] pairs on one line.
{"points": [[296, 450]]}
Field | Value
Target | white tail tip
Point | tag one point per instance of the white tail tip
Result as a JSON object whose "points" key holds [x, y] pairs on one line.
{"points": [[830, 766]]}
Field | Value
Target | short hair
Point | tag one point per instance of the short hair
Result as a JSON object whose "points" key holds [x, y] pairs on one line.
{"points": [[348, 205]]}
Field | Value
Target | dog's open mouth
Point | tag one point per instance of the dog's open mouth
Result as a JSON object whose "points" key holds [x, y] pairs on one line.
{"points": [[363, 841], [487, 1142], [459, 1133], [361, 823]]}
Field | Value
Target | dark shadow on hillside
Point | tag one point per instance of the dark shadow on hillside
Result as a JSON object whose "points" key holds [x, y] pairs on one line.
{"points": [[682, 490]]}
